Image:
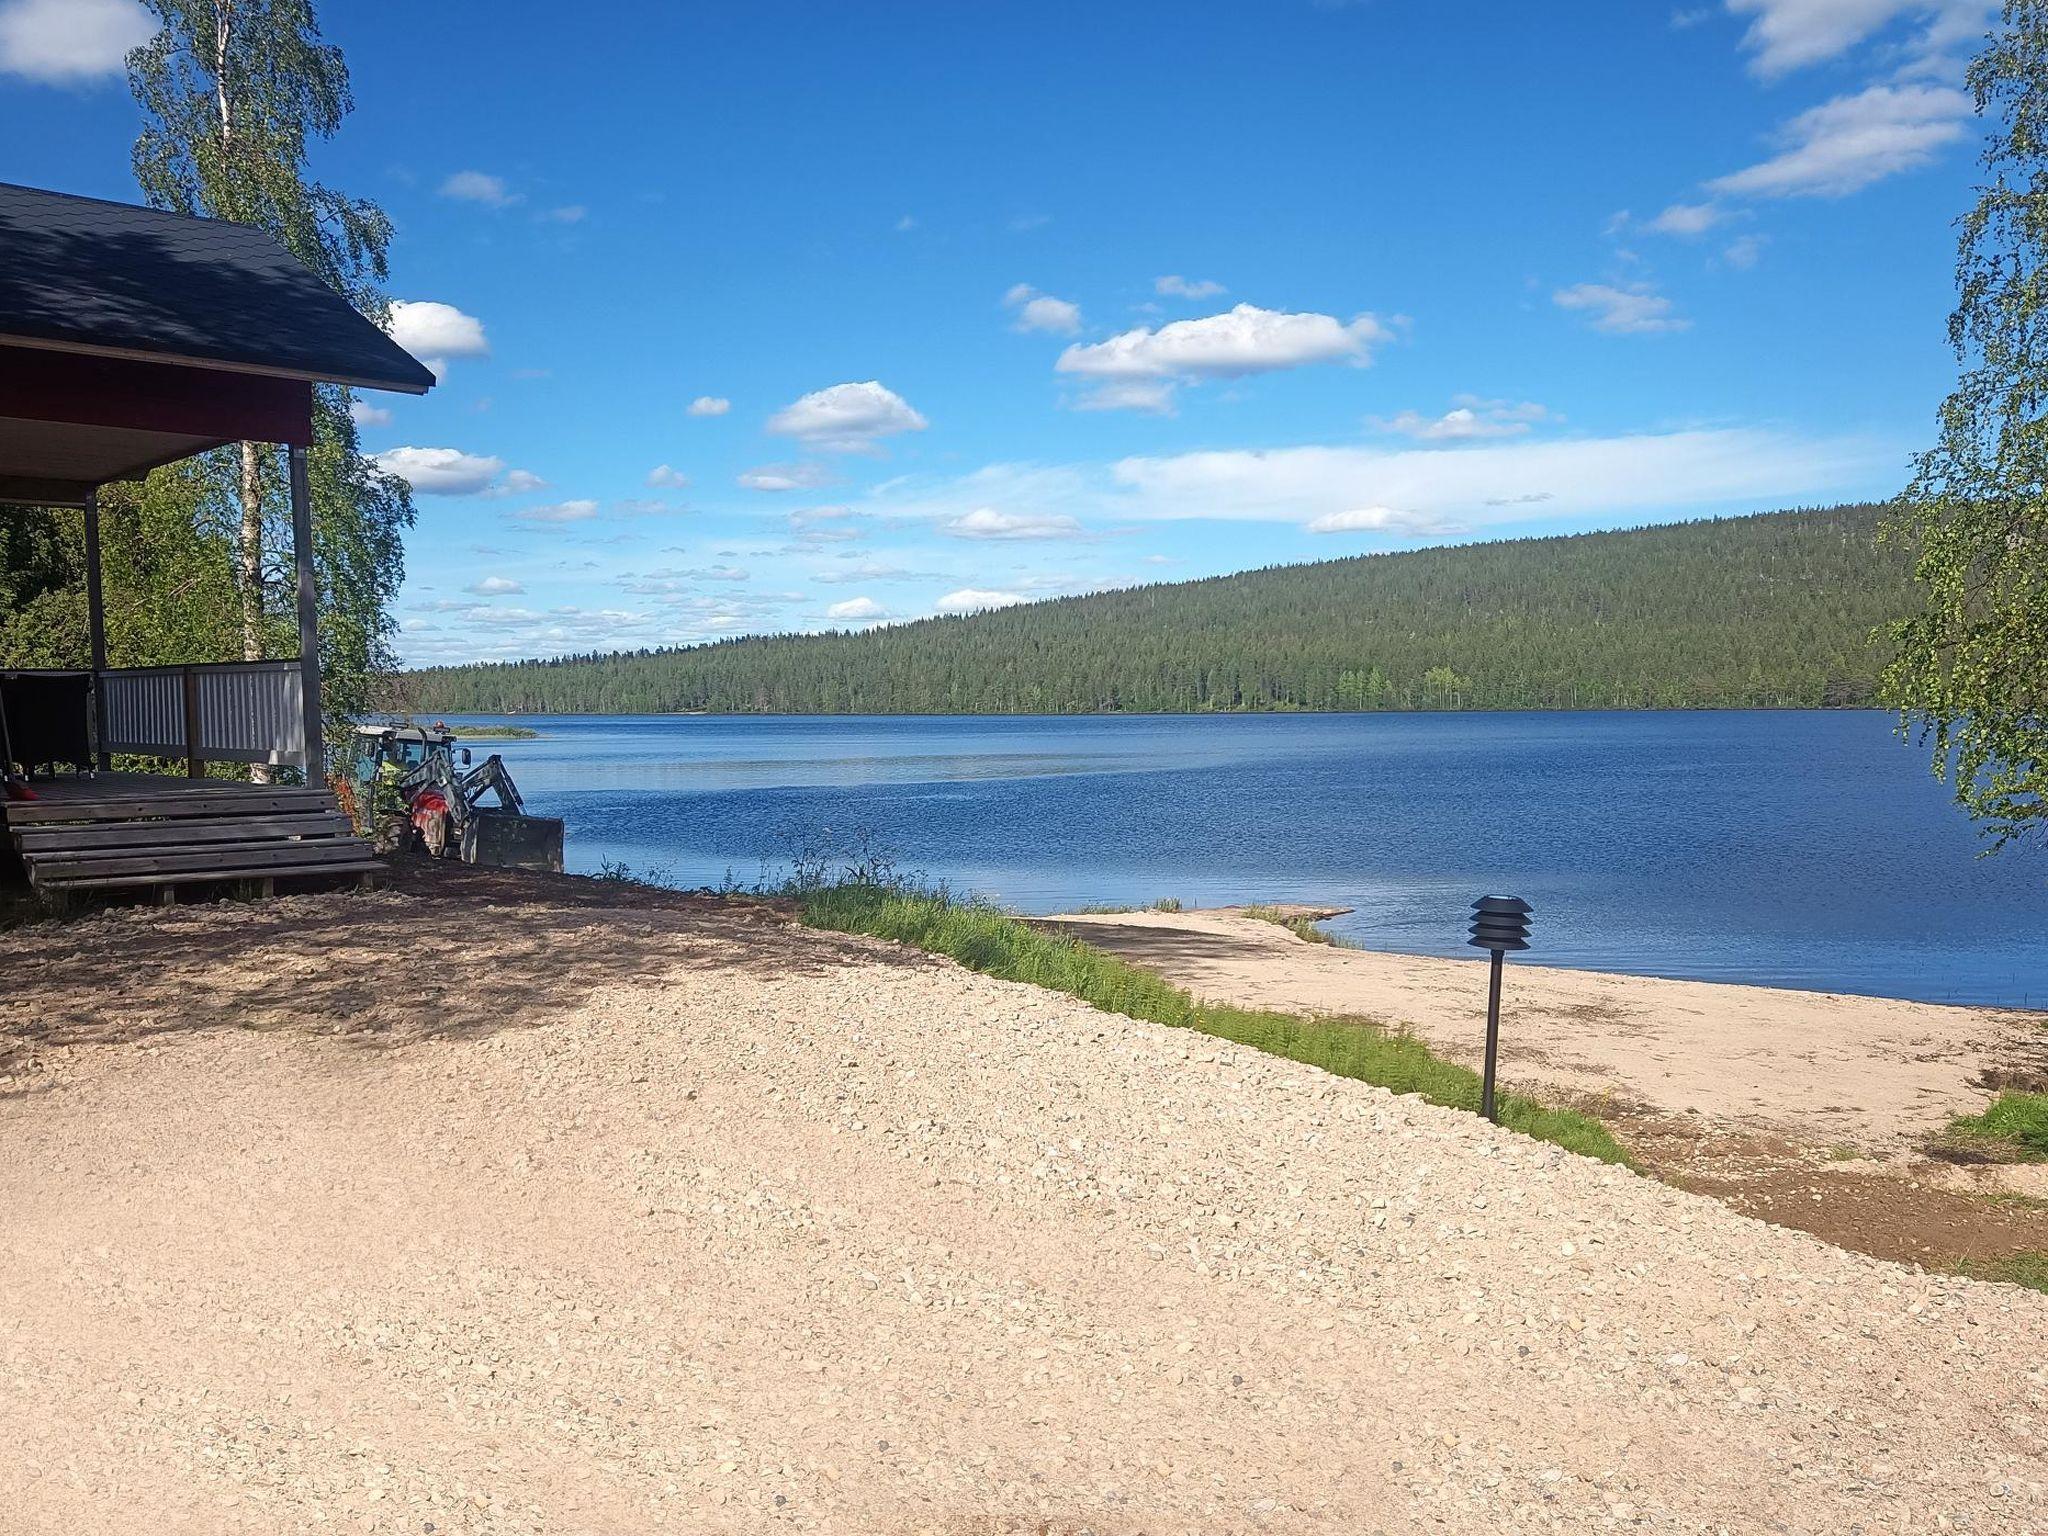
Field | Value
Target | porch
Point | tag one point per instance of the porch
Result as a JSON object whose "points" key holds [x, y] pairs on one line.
{"points": [[129, 339], [107, 831]]}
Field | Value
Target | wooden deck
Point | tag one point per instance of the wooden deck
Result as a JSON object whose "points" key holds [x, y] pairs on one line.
{"points": [[116, 830]]}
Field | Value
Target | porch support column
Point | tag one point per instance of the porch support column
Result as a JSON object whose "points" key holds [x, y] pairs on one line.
{"points": [[96, 629], [309, 625]]}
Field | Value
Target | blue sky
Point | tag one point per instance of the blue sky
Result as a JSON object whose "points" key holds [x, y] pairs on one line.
{"points": [[785, 316]]}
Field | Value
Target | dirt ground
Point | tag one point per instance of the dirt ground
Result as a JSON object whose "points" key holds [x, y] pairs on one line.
{"points": [[494, 1205]]}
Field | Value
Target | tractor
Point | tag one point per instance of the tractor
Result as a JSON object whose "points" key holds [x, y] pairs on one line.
{"points": [[422, 784]]}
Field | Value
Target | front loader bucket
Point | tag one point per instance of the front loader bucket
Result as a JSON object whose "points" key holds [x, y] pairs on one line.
{"points": [[513, 842]]}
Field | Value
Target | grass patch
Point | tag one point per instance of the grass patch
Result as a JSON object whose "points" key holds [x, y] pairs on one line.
{"points": [[2028, 1269], [1302, 928], [988, 940], [495, 733], [2015, 1127]]}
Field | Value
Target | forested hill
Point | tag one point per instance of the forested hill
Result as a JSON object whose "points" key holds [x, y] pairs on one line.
{"points": [[1769, 610]]}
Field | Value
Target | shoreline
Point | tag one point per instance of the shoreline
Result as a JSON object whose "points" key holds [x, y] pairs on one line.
{"points": [[1814, 1068]]}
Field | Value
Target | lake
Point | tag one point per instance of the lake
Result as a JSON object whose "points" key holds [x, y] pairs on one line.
{"points": [[1801, 849]]}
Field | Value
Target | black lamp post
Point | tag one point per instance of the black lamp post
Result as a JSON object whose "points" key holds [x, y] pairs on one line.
{"points": [[1499, 923]]}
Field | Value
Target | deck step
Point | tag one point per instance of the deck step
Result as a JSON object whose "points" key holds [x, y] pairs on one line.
{"points": [[191, 803]]}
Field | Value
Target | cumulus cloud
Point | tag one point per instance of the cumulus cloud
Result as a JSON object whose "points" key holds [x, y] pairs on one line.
{"points": [[666, 477], [436, 333], [1469, 418], [364, 414], [988, 523], [68, 41], [581, 510], [479, 187], [783, 477], [1177, 287], [494, 586], [441, 471], [1633, 311], [1037, 311], [709, 405], [517, 481], [1240, 341], [976, 600], [857, 610], [1843, 145], [846, 418]]}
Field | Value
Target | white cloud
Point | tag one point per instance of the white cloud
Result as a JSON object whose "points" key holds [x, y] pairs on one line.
{"points": [[1175, 286], [1843, 145], [783, 477], [70, 40], [988, 523], [1147, 395], [435, 333], [846, 418], [494, 586], [1790, 34], [1469, 418], [1743, 252], [568, 213], [1041, 311], [1379, 520], [441, 471], [519, 481], [857, 609], [364, 414], [1646, 474], [1241, 341], [581, 510], [1632, 311], [479, 187], [1686, 220], [709, 405], [1639, 477], [666, 477], [976, 600]]}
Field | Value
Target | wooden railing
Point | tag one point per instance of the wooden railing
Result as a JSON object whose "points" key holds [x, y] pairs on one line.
{"points": [[218, 712]]}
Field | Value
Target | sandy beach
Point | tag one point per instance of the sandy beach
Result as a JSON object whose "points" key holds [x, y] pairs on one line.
{"points": [[1816, 1068], [597, 1210]]}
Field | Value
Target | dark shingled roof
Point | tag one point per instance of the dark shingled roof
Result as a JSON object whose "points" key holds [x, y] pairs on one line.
{"points": [[110, 278]]}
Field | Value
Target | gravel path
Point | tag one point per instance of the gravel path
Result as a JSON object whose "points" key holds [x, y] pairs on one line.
{"points": [[582, 1218]]}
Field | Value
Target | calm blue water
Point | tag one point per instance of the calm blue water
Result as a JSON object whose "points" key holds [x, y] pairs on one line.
{"points": [[1796, 849]]}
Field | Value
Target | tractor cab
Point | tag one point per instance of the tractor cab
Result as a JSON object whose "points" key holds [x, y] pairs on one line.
{"points": [[425, 791]]}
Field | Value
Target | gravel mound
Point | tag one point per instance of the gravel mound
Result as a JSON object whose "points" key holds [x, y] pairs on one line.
{"points": [[384, 1214]]}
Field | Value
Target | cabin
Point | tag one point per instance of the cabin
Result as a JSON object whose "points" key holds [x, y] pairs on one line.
{"points": [[131, 338]]}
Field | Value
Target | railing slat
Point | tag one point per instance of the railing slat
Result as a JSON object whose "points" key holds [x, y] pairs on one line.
{"points": [[246, 711]]}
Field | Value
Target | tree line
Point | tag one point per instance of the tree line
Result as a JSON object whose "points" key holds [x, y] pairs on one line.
{"points": [[1771, 610]]}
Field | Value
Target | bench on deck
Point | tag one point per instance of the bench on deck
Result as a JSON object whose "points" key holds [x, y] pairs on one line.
{"points": [[110, 834]]}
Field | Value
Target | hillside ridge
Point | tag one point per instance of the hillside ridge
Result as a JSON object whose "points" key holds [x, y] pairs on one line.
{"points": [[1768, 610]]}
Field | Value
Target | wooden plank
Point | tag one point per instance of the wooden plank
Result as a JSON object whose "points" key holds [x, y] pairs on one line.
{"points": [[368, 870], [56, 870], [181, 831], [24, 813]]}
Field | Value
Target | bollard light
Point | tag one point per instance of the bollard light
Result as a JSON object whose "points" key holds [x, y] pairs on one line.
{"points": [[1499, 923]]}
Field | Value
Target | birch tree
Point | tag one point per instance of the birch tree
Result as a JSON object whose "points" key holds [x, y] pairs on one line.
{"points": [[233, 93], [1971, 667]]}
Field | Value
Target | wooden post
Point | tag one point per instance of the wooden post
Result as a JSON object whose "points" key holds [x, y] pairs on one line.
{"points": [[309, 623], [96, 629], [195, 752]]}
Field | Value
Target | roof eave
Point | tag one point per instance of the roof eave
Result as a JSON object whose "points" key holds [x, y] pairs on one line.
{"points": [[142, 355]]}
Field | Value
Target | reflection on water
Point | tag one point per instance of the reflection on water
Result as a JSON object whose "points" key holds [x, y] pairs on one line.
{"points": [[1796, 848]]}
